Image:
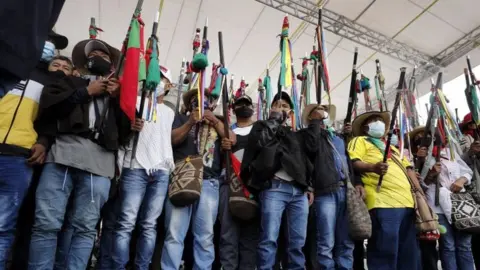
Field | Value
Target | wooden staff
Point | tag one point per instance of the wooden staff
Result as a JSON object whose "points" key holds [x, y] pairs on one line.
{"points": [[400, 87], [225, 108]]}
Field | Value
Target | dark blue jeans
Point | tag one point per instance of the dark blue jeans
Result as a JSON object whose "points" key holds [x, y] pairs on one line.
{"points": [[282, 197], [56, 185], [455, 248], [15, 176], [109, 218], [334, 245], [393, 245], [203, 215], [141, 202]]}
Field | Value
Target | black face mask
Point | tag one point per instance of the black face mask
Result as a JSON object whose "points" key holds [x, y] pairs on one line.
{"points": [[243, 112], [98, 66], [58, 74]]}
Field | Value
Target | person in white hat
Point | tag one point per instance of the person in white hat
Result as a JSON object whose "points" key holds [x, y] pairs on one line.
{"points": [[143, 185], [332, 169]]}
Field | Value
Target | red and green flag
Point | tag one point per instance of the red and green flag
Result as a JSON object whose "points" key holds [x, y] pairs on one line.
{"points": [[134, 68]]}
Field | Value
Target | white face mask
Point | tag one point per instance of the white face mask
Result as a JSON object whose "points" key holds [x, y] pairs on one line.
{"points": [[161, 88], [376, 129], [289, 121], [394, 140]]}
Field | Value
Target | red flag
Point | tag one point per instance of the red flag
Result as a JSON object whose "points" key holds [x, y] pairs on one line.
{"points": [[133, 70]]}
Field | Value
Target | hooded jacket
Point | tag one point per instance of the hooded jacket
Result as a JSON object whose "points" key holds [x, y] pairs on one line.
{"points": [[272, 147], [24, 29]]}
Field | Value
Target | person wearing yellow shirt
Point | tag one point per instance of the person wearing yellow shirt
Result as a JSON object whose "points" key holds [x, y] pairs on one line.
{"points": [[393, 244]]}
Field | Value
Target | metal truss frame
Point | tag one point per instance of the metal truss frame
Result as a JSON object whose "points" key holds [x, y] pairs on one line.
{"points": [[346, 28], [446, 57], [427, 66]]}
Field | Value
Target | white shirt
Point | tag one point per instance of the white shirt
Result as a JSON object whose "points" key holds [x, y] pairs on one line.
{"points": [[154, 149], [450, 172]]}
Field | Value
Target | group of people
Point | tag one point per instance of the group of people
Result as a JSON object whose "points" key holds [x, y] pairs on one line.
{"points": [[67, 149]]}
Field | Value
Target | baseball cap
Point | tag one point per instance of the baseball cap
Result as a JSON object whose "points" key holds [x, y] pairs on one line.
{"points": [[242, 98]]}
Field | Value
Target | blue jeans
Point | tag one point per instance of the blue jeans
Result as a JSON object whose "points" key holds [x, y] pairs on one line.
{"points": [[56, 185], [393, 244], [282, 197], [15, 177], [143, 196], [109, 220], [455, 248], [334, 245], [203, 215]]}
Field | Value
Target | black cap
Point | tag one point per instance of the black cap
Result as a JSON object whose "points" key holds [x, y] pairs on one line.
{"points": [[243, 98], [61, 42]]}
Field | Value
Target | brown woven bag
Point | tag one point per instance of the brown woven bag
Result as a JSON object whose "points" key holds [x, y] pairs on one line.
{"points": [[186, 181]]}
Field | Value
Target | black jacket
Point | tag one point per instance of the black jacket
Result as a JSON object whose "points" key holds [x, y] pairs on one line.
{"points": [[325, 178], [64, 109], [24, 27], [271, 147]]}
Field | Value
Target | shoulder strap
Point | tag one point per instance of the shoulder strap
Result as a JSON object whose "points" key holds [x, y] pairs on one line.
{"points": [[344, 166]]}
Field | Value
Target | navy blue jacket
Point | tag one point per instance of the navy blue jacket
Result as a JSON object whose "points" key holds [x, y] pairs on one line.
{"points": [[24, 27]]}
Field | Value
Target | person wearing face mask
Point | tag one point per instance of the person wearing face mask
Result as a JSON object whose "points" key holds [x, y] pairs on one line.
{"points": [[472, 158], [393, 244], [143, 189], [332, 168], [22, 142], [238, 238], [191, 136], [276, 170], [81, 160], [24, 28]]}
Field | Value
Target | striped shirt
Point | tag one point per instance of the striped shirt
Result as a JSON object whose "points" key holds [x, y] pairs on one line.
{"points": [[396, 190]]}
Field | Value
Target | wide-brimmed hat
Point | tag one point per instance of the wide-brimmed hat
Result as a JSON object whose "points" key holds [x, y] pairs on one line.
{"points": [[331, 109], [166, 73], [415, 131], [284, 96], [357, 125], [85, 47], [61, 42]]}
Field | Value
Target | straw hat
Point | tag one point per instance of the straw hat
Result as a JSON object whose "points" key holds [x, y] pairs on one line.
{"points": [[187, 96], [415, 131], [84, 48], [357, 125], [331, 109]]}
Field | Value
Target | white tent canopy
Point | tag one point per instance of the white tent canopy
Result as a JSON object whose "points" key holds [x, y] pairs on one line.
{"points": [[250, 30]]}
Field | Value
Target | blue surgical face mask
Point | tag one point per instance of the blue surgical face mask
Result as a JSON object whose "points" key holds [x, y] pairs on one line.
{"points": [[48, 51], [394, 140], [327, 122], [376, 129]]}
